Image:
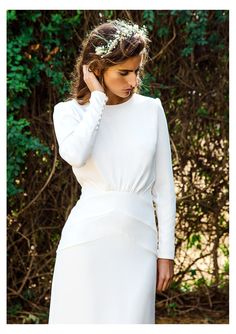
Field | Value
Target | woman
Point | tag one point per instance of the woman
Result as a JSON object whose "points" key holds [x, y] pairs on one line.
{"points": [[111, 258]]}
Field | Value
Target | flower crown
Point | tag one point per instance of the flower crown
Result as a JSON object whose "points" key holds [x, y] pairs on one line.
{"points": [[124, 30]]}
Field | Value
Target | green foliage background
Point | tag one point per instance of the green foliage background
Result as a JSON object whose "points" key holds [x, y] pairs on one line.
{"points": [[188, 70]]}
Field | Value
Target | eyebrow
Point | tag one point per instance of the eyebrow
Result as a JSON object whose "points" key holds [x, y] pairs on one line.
{"points": [[122, 69]]}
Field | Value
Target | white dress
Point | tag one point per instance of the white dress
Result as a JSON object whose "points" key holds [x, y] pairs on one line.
{"points": [[105, 269]]}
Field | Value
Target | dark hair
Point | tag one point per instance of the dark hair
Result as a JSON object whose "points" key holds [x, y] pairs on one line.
{"points": [[134, 45]]}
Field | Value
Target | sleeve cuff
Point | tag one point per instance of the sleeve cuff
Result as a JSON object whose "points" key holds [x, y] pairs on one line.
{"points": [[98, 96]]}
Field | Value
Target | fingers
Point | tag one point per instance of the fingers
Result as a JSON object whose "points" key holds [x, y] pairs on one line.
{"points": [[91, 80], [86, 70], [165, 273], [166, 283], [163, 283], [88, 73]]}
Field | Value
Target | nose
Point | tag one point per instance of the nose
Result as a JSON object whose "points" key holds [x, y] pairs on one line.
{"points": [[132, 81]]}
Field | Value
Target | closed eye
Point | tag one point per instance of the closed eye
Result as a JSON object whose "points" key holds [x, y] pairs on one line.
{"points": [[125, 73]]}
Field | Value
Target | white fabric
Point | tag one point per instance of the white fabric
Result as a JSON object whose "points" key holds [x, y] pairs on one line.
{"points": [[105, 270]]}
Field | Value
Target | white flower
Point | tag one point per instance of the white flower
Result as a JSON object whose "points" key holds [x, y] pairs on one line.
{"points": [[124, 30]]}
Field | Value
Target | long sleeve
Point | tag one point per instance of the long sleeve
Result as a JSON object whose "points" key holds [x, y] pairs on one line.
{"points": [[76, 130], [163, 189]]}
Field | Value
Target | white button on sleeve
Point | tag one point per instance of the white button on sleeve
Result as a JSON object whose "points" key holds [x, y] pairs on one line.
{"points": [[163, 189], [76, 134]]}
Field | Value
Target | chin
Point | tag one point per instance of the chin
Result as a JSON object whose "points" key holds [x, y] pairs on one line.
{"points": [[122, 95]]}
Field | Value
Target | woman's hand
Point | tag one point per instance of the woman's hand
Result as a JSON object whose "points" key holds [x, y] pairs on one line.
{"points": [[91, 80], [165, 272]]}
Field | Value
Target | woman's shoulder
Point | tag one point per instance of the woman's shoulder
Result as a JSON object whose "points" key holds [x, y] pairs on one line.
{"points": [[68, 107], [150, 100], [66, 103]]}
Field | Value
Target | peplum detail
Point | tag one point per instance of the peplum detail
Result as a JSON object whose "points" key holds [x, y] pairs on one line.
{"points": [[101, 213]]}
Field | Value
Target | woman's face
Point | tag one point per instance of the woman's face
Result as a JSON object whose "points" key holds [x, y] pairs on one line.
{"points": [[120, 79]]}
